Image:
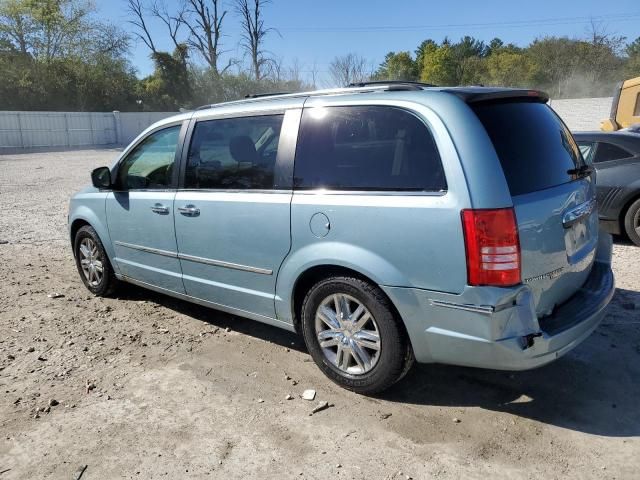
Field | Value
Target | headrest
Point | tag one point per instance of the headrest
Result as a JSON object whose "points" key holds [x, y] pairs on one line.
{"points": [[242, 149]]}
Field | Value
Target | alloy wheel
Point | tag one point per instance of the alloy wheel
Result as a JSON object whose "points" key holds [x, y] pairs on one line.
{"points": [[348, 334], [91, 262]]}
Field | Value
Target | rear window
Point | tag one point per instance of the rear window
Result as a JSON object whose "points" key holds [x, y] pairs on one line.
{"points": [[607, 152], [535, 148], [366, 148]]}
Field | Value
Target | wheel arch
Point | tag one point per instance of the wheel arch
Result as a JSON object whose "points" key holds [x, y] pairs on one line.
{"points": [[316, 273], [85, 216], [76, 225]]}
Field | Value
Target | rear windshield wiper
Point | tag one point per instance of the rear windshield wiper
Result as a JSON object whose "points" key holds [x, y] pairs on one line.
{"points": [[581, 171]]}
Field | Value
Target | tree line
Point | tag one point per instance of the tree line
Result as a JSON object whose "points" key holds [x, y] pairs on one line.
{"points": [[563, 67], [59, 55]]}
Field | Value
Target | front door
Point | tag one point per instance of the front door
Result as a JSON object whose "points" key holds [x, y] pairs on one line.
{"points": [[233, 214], [140, 212]]}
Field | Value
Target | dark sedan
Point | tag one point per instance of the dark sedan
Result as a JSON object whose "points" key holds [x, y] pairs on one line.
{"points": [[616, 158]]}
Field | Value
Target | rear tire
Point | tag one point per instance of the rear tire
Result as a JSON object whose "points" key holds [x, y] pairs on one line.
{"points": [[632, 222], [364, 348], [93, 264]]}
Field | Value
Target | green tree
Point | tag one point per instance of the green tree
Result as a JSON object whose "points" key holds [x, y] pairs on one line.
{"points": [[397, 66], [169, 87], [577, 68], [495, 45], [449, 63], [632, 65], [425, 48], [47, 29], [509, 69], [54, 55], [438, 65]]}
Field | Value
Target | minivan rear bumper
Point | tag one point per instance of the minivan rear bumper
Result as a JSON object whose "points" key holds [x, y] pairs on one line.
{"points": [[498, 328]]}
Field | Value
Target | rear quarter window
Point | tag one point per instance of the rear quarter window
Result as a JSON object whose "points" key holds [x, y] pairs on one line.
{"points": [[366, 148], [586, 149], [536, 150]]}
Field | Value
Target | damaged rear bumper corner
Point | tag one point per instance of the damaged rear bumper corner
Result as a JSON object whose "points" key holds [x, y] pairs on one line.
{"points": [[498, 328]]}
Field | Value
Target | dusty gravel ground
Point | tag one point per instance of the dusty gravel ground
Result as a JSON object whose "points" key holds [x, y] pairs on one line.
{"points": [[152, 387]]}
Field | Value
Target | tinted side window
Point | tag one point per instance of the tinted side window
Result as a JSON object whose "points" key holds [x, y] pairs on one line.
{"points": [[234, 153], [535, 148], [608, 151], [150, 163], [366, 148]]}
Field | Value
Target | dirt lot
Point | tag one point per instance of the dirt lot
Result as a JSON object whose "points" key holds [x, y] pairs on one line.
{"points": [[151, 387]]}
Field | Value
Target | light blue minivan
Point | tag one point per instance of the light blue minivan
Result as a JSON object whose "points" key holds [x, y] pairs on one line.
{"points": [[385, 222]]}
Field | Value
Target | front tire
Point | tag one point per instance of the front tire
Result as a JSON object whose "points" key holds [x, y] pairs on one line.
{"points": [[93, 264], [353, 335], [632, 222]]}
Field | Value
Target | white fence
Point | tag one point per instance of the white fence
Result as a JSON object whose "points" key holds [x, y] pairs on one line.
{"points": [[20, 130]]}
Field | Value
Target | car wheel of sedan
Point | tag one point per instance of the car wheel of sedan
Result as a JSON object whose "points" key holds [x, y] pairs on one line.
{"points": [[632, 222], [93, 264], [353, 335]]}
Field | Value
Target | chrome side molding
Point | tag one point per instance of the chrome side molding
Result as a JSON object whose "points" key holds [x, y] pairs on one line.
{"points": [[483, 309], [220, 263], [156, 251], [193, 258]]}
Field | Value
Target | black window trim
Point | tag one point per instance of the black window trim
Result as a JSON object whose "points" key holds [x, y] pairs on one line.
{"points": [[283, 169], [183, 124], [374, 191]]}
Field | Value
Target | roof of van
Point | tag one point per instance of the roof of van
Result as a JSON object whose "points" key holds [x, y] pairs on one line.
{"points": [[469, 94]]}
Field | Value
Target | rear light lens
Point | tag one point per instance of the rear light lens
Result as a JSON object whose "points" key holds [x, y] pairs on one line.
{"points": [[493, 247]]}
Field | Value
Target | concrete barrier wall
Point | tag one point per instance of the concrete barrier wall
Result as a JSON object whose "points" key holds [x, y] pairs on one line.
{"points": [[581, 114], [132, 123], [23, 130]]}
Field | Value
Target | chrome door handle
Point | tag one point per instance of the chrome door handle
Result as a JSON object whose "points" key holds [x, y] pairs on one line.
{"points": [[160, 209], [189, 211]]}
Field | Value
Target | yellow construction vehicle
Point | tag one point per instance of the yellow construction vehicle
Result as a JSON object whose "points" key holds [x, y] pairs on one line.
{"points": [[625, 110]]}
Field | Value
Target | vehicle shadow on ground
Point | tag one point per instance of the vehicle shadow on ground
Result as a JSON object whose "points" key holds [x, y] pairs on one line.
{"points": [[623, 240], [593, 389], [216, 318]]}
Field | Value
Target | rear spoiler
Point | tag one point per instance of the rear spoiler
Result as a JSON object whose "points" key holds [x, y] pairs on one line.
{"points": [[483, 94]]}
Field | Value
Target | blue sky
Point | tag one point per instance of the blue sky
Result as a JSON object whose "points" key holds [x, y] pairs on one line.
{"points": [[314, 32]]}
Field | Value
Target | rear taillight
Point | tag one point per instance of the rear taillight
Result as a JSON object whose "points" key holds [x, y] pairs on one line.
{"points": [[493, 247]]}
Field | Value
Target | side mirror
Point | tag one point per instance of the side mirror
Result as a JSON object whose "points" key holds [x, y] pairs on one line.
{"points": [[101, 177]]}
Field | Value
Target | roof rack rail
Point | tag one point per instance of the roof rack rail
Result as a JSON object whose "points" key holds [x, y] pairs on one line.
{"points": [[392, 83], [260, 95], [248, 96]]}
